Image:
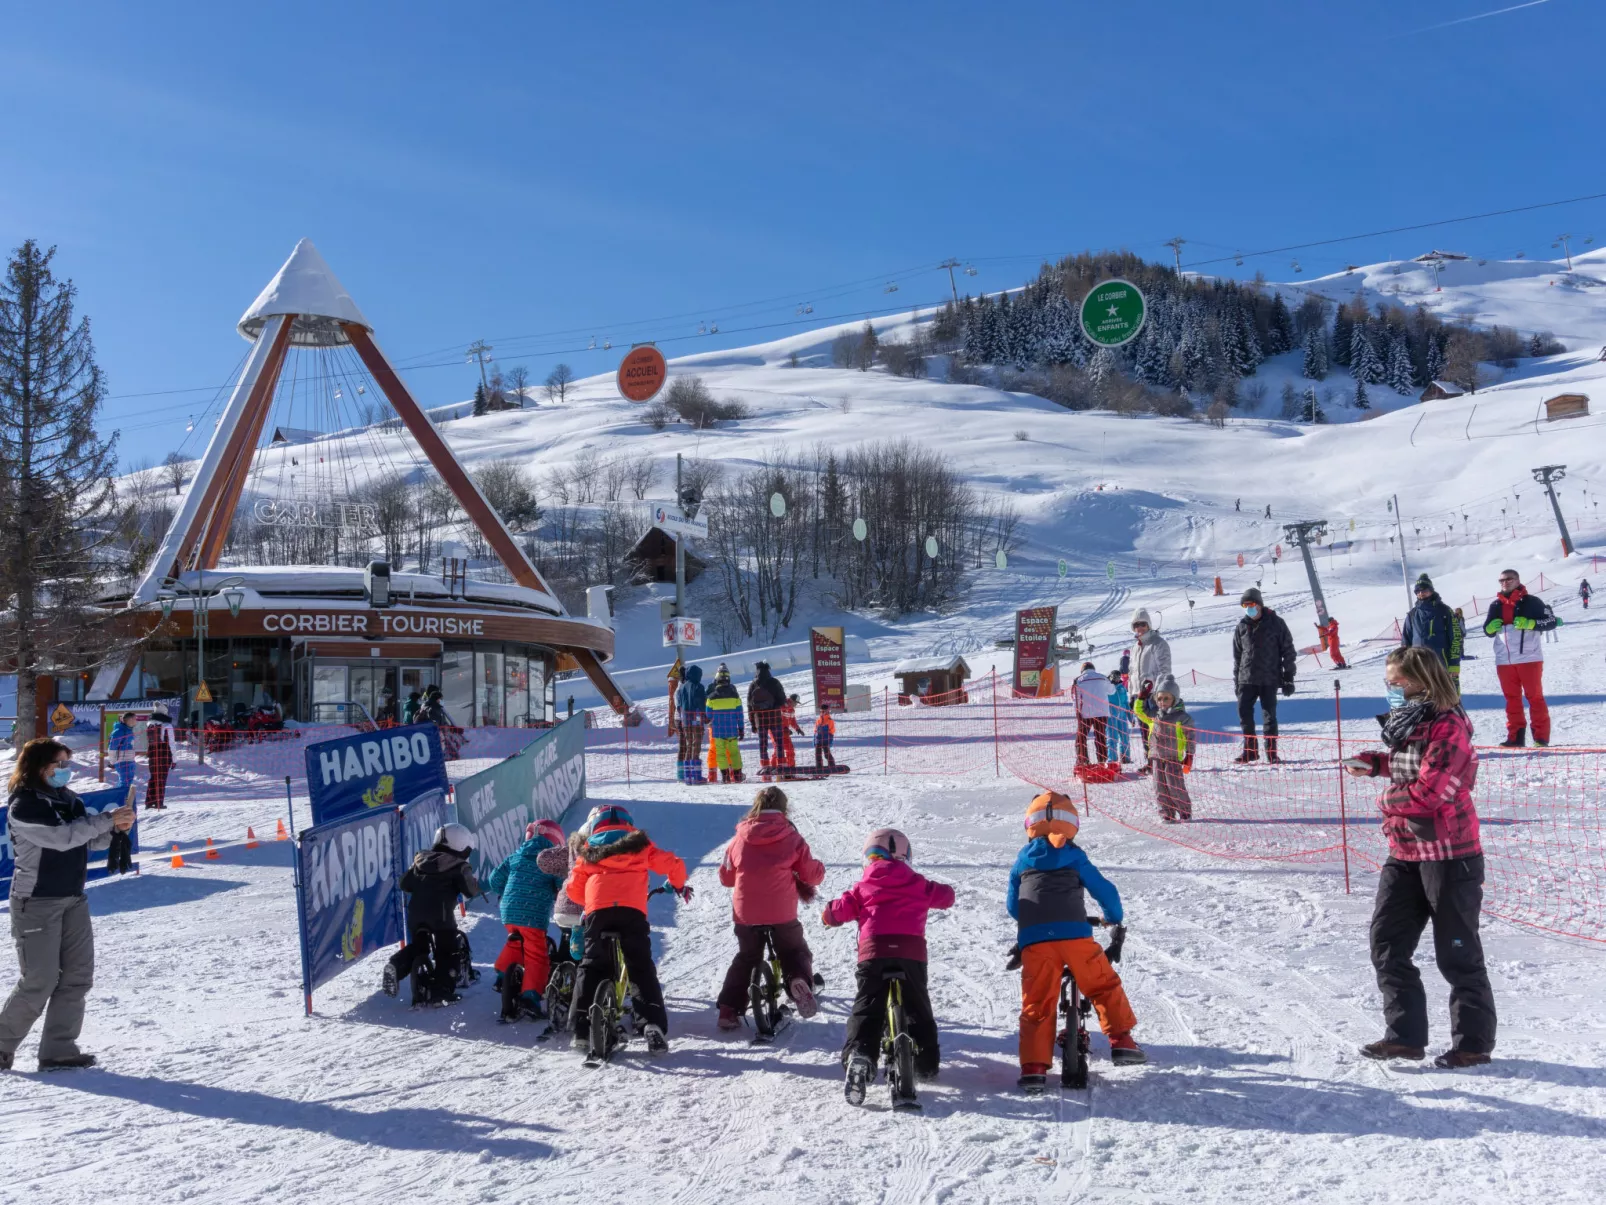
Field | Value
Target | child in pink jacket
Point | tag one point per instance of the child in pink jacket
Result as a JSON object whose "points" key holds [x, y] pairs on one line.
{"points": [[890, 902], [770, 868]]}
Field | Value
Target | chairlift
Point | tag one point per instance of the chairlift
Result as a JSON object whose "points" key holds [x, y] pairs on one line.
{"points": [[1519, 255], [592, 346], [1238, 258], [1351, 269], [891, 288], [361, 389], [702, 328], [607, 344], [337, 395], [189, 426], [1588, 239], [714, 329], [970, 269], [1297, 268]]}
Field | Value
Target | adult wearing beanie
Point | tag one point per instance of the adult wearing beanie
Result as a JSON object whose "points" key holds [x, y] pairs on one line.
{"points": [[1151, 661], [1430, 624], [1263, 662]]}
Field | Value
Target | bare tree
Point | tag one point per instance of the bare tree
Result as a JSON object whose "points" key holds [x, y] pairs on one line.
{"points": [[642, 470], [615, 473], [583, 477], [176, 470], [518, 384], [511, 491], [557, 383]]}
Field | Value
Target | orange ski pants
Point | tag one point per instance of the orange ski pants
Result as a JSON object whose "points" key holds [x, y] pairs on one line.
{"points": [[526, 947], [1041, 965]]}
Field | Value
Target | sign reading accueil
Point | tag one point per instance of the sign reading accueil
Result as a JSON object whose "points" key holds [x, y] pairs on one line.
{"points": [[381, 769], [1112, 313]]}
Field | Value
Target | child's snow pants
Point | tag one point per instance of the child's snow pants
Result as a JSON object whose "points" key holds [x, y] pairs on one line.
{"points": [[691, 752], [526, 947], [791, 947], [1041, 965], [1171, 790], [596, 965], [724, 754], [868, 1019]]}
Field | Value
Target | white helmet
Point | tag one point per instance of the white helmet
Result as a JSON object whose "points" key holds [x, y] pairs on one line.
{"points": [[455, 838]]}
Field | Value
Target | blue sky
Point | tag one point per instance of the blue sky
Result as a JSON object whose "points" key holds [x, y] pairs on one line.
{"points": [[537, 174]]}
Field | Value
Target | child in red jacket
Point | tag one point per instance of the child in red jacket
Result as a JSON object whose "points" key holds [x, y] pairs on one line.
{"points": [[770, 868], [890, 903]]}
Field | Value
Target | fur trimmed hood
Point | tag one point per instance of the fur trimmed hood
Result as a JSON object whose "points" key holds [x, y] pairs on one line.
{"points": [[632, 842]]}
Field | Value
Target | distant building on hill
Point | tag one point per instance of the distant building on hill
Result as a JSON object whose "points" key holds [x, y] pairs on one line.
{"points": [[1439, 255], [1566, 405], [1437, 391]]}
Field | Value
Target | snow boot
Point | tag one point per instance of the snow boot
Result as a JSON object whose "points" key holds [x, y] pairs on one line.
{"points": [[1271, 751], [1033, 1078], [802, 996], [1383, 1051], [390, 983], [738, 776], [1251, 751], [657, 1043], [724, 776], [1124, 1052], [1454, 1060], [72, 1062], [6, 1060], [860, 1073], [729, 1018], [1516, 740], [1539, 744]]}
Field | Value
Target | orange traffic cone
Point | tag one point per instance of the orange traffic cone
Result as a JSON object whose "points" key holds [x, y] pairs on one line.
{"points": [[211, 853], [250, 837], [178, 858], [282, 834], [1219, 590]]}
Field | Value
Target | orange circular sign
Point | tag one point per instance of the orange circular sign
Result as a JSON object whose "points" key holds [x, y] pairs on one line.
{"points": [[642, 374]]}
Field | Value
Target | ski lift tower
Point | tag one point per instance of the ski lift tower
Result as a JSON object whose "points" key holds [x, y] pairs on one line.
{"points": [[1301, 535]]}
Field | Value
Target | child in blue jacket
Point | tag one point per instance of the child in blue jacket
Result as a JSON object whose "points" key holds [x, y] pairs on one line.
{"points": [[527, 894], [1120, 719]]}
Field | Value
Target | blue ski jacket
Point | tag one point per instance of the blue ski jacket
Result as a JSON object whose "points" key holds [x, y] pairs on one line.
{"points": [[527, 893], [1045, 892]]}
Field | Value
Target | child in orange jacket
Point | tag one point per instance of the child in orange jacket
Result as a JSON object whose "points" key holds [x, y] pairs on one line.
{"points": [[610, 879], [824, 734], [1045, 898]]}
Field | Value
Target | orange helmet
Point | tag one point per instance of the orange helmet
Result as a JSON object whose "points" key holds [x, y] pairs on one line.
{"points": [[1052, 815]]}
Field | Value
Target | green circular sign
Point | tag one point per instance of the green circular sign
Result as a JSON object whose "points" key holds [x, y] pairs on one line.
{"points": [[1064, 568], [860, 529], [1109, 570], [1002, 559], [778, 506], [1112, 313], [931, 547]]}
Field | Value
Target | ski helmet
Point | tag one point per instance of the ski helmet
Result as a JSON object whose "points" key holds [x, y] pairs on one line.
{"points": [[887, 843], [550, 829], [455, 838], [1052, 815], [613, 823]]}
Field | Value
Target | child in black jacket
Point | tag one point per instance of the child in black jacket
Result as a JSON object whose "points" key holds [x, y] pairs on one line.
{"points": [[434, 882]]}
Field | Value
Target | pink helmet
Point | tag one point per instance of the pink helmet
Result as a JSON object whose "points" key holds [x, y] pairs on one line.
{"points": [[550, 829], [887, 843]]}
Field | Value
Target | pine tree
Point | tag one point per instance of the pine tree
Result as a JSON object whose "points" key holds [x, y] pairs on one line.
{"points": [[481, 402], [1280, 336], [1362, 402], [1399, 366], [1312, 411], [1364, 364], [1101, 367], [1290, 409], [1433, 358], [1343, 337], [57, 499], [868, 345], [1315, 365], [1249, 344]]}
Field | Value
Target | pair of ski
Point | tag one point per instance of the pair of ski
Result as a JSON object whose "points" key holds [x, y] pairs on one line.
{"points": [[796, 773]]}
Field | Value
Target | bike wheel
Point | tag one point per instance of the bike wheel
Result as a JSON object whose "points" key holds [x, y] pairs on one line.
{"points": [[603, 1019], [902, 1068], [559, 996], [512, 985], [761, 990]]}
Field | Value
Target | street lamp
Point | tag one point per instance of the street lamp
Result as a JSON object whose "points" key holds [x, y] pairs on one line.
{"points": [[200, 603]]}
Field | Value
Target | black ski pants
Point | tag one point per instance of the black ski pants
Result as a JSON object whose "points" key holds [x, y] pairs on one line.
{"points": [[596, 966], [1449, 895], [442, 949], [1266, 696], [867, 1021], [791, 947]]}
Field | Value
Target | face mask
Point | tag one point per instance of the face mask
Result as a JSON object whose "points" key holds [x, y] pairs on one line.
{"points": [[60, 776], [1396, 697], [1252, 611]]}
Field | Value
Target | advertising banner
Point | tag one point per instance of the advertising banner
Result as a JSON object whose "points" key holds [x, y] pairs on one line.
{"points": [[540, 782], [419, 821], [347, 896], [141, 709], [388, 767], [829, 660], [99, 800], [1034, 647]]}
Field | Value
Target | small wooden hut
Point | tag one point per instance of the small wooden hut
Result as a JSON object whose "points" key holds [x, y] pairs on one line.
{"points": [[934, 681]]}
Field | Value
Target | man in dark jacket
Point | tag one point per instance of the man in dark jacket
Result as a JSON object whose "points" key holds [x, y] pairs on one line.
{"points": [[435, 880], [765, 698], [1263, 661], [691, 715], [1431, 624]]}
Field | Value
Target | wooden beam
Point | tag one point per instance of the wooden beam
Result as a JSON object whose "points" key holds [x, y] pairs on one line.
{"points": [[214, 487], [440, 456], [252, 420], [606, 686]]}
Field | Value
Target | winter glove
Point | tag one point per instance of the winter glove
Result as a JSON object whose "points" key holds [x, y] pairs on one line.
{"points": [[1560, 621], [1288, 688], [805, 893], [684, 893], [1493, 627], [825, 917], [1117, 940], [1014, 958], [1523, 624]]}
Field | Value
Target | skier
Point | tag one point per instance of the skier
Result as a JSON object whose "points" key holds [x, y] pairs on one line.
{"points": [[1263, 660], [120, 750], [1171, 748], [1431, 625], [1045, 899], [691, 716], [1268, 510], [1516, 620], [1120, 720], [769, 867], [525, 894], [1434, 872], [1584, 592], [1238, 504], [1092, 690], [433, 883], [158, 759], [726, 727], [765, 699], [1328, 636], [1151, 661], [824, 737], [610, 879], [890, 901]]}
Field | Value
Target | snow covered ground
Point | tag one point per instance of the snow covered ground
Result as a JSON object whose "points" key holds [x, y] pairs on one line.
{"points": [[1250, 981]]}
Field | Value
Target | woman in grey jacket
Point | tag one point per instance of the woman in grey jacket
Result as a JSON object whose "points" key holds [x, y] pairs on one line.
{"points": [[51, 835]]}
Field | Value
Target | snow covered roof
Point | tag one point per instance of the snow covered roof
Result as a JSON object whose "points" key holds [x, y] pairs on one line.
{"points": [[294, 435], [1447, 389], [931, 665], [306, 287]]}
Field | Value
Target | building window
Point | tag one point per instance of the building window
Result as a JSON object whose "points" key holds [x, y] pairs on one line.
{"points": [[516, 669], [488, 687], [457, 686]]}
